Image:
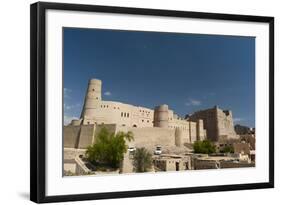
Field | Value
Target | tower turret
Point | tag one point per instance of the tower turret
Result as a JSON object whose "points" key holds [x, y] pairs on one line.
{"points": [[178, 137], [161, 116], [92, 98]]}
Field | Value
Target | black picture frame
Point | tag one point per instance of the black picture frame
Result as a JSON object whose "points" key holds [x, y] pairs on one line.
{"points": [[38, 101]]}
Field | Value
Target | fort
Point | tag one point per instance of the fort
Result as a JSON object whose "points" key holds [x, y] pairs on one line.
{"points": [[151, 127], [156, 127]]}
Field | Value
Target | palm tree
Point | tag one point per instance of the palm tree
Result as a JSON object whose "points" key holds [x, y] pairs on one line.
{"points": [[142, 160]]}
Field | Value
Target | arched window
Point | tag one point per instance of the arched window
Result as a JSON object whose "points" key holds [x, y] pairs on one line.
{"points": [[127, 114], [121, 114]]}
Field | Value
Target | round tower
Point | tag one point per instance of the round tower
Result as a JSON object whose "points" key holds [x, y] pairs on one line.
{"points": [[92, 98], [75, 122], [178, 137], [161, 116]]}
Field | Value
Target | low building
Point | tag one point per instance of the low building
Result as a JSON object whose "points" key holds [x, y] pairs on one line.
{"points": [[172, 163], [249, 138], [242, 148], [73, 163], [220, 162]]}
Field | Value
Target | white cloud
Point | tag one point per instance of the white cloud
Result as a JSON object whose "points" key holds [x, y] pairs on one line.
{"points": [[237, 119], [193, 102], [70, 107], [66, 92], [107, 93], [67, 119]]}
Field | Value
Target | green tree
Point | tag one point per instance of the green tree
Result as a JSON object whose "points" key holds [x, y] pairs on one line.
{"points": [[228, 149], [142, 160], [109, 148], [204, 147]]}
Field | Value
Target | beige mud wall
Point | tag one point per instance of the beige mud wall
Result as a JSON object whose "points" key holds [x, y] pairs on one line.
{"points": [[86, 137], [152, 136], [70, 134]]}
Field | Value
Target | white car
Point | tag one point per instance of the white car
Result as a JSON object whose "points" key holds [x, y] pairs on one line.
{"points": [[158, 150], [131, 149]]}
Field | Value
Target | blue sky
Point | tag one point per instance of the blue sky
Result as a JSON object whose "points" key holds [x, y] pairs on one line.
{"points": [[188, 72]]}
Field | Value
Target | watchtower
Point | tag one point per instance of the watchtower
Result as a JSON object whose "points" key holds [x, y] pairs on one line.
{"points": [[92, 98]]}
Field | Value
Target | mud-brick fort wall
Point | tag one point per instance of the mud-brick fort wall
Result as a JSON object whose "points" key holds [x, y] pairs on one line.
{"points": [[79, 136], [225, 124], [218, 123], [152, 136], [209, 117], [82, 136]]}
